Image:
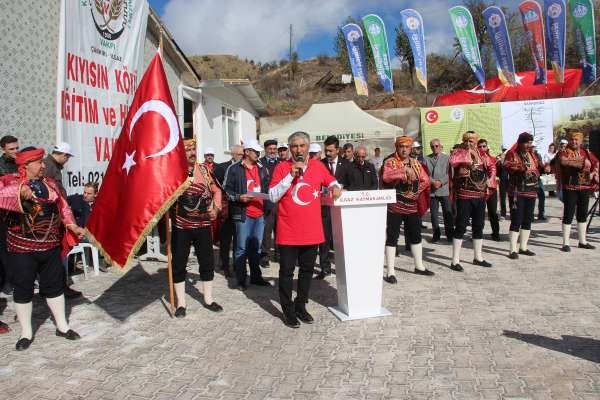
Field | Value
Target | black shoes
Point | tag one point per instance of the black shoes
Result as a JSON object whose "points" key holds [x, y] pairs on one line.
{"points": [[542, 218], [303, 315], [456, 267], [566, 248], [526, 252], [23, 344], [496, 237], [513, 255], [482, 263], [289, 319], [180, 312], [436, 236], [259, 282], [391, 279], [242, 286], [214, 307], [424, 273], [71, 293], [586, 246], [69, 335], [323, 274]]}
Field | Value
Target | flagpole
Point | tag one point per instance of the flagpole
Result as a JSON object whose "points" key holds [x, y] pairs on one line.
{"points": [[168, 222], [169, 263]]}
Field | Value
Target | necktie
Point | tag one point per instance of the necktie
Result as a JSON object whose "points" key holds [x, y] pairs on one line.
{"points": [[331, 167]]}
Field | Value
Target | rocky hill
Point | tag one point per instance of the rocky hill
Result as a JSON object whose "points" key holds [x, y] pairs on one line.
{"points": [[315, 81]]}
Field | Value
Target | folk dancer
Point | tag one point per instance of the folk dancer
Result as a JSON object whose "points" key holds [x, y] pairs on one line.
{"points": [[470, 172], [37, 218], [524, 171], [191, 216], [409, 178], [577, 172]]}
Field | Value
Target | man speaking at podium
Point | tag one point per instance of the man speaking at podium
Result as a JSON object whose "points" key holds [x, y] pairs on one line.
{"points": [[296, 186]]}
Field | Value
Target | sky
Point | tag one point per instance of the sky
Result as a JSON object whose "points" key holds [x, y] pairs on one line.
{"points": [[259, 29]]}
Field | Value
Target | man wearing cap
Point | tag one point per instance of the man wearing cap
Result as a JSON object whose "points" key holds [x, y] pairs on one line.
{"points": [[409, 178], [226, 230], [283, 151], [417, 152], [437, 165], [55, 162], [296, 186], [361, 174], [269, 161], [337, 167], [577, 171], [314, 151], [246, 183], [524, 169], [209, 158], [191, 217], [470, 171], [37, 220]]}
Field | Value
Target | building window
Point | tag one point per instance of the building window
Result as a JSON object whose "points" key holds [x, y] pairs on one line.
{"points": [[230, 126], [188, 118]]}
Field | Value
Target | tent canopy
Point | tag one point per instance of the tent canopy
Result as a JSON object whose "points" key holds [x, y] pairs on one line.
{"points": [[344, 120]]}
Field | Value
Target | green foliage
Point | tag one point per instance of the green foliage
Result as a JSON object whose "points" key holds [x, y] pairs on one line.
{"points": [[341, 51], [404, 52]]}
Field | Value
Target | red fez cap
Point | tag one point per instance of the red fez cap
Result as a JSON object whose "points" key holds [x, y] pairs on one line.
{"points": [[26, 156]]}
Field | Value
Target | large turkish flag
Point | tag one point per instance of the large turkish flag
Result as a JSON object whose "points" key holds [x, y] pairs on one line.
{"points": [[146, 173], [525, 89]]}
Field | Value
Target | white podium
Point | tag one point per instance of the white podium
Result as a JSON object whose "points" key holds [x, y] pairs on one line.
{"points": [[358, 221]]}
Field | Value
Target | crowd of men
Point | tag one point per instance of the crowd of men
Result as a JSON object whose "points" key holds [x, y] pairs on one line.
{"points": [[269, 209]]}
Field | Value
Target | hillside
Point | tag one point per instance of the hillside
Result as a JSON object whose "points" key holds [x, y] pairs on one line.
{"points": [[316, 81]]}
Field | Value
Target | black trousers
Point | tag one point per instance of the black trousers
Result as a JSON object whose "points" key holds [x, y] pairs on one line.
{"points": [[325, 247], [446, 214], [469, 209], [503, 188], [412, 228], [268, 233], [305, 257], [541, 194], [181, 241], [521, 216], [492, 209], [226, 235], [575, 200], [46, 266], [3, 256]]}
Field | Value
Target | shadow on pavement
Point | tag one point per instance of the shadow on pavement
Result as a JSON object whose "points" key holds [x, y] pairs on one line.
{"points": [[41, 312], [581, 347], [133, 292]]}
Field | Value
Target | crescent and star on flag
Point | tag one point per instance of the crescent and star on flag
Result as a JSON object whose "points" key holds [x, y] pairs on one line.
{"points": [[167, 113], [295, 194]]}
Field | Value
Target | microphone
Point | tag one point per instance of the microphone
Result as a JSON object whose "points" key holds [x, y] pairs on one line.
{"points": [[301, 159]]}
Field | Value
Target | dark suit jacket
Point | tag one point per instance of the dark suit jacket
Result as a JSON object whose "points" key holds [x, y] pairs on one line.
{"points": [[81, 209], [361, 177], [220, 170], [340, 169]]}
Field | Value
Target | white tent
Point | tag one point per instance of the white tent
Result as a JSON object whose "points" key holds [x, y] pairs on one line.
{"points": [[344, 120]]}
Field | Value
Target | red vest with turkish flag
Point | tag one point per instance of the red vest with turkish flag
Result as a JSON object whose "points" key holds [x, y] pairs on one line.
{"points": [[147, 172], [299, 213]]}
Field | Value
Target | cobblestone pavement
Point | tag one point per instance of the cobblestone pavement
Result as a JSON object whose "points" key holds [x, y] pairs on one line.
{"points": [[525, 329]]}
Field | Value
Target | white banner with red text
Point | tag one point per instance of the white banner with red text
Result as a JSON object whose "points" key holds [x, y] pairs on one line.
{"points": [[100, 56]]}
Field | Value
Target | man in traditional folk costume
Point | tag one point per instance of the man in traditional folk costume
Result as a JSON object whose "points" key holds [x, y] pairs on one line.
{"points": [[577, 175], [37, 215], [524, 171], [470, 171], [409, 178], [191, 216]]}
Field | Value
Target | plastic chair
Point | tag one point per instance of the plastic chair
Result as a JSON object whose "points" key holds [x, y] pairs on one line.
{"points": [[80, 249]]}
